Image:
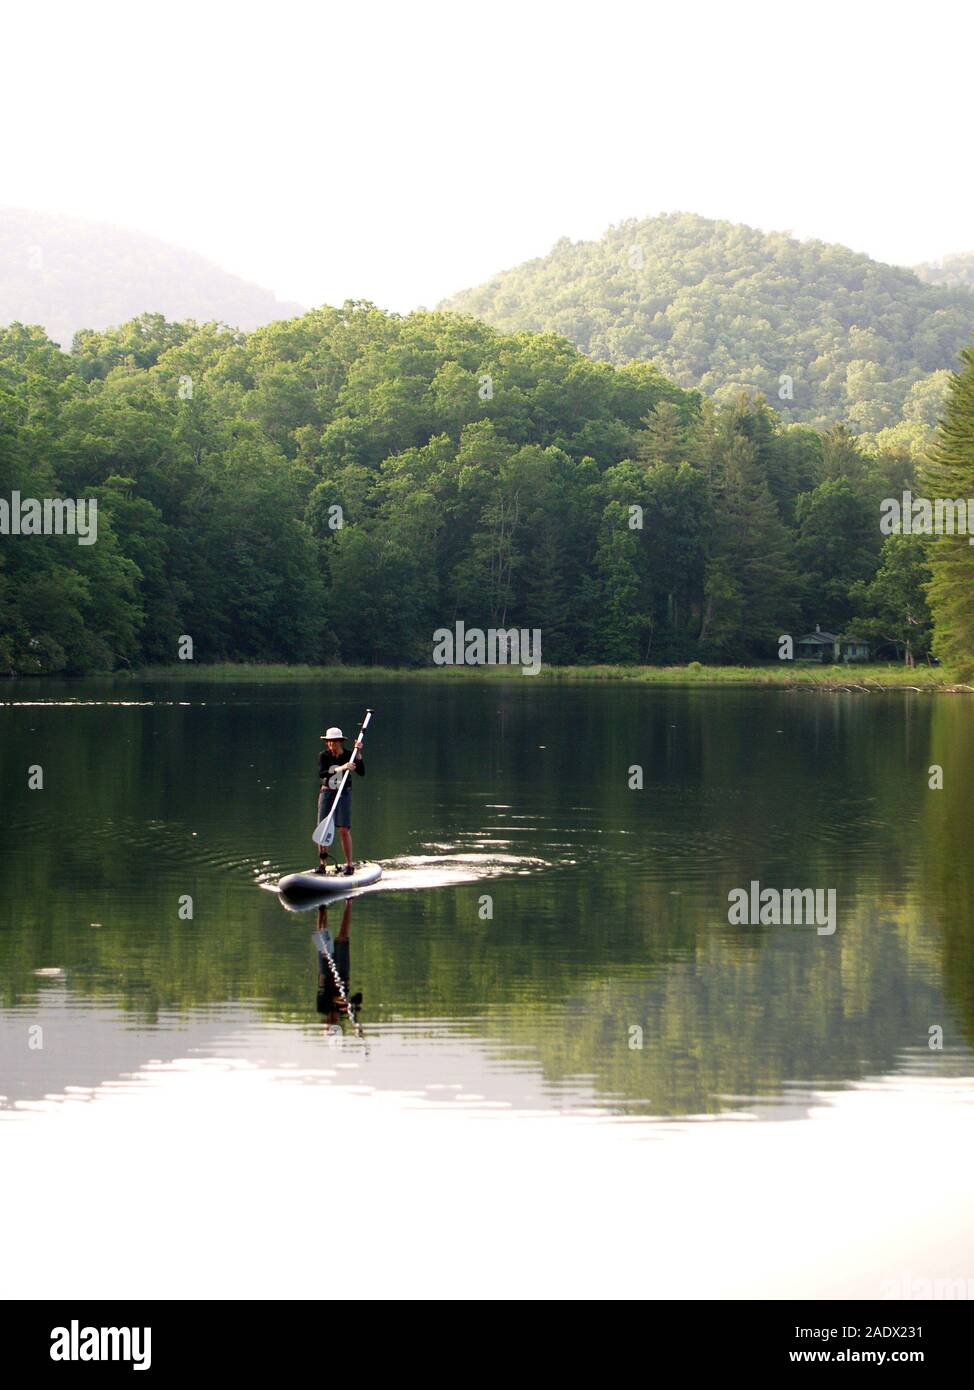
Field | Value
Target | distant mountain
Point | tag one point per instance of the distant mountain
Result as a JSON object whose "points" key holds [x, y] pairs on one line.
{"points": [[949, 270], [723, 307], [65, 273]]}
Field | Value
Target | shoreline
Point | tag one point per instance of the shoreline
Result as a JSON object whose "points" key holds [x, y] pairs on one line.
{"points": [[865, 678]]}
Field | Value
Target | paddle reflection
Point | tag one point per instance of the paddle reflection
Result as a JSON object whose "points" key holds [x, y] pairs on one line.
{"points": [[333, 1000]]}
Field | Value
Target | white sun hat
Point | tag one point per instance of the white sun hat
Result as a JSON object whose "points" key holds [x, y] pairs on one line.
{"points": [[333, 732]]}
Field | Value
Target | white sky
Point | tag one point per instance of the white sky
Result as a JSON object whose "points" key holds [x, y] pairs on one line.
{"points": [[398, 152]]}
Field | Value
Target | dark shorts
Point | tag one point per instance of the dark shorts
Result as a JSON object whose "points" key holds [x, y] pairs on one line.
{"points": [[343, 815]]}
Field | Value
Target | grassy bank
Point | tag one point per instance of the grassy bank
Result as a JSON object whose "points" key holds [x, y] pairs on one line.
{"points": [[863, 678]]}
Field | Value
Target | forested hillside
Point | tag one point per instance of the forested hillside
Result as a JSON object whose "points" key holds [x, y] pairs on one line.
{"points": [[338, 486], [65, 273], [825, 333]]}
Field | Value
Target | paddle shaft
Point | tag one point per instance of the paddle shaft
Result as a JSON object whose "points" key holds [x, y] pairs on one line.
{"points": [[321, 835]]}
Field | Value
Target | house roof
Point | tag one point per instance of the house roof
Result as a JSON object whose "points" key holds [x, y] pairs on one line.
{"points": [[824, 639]]}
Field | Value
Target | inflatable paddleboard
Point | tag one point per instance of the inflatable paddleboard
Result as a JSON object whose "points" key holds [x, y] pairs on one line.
{"points": [[310, 884]]}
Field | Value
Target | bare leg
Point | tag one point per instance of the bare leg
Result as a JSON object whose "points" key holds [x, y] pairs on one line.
{"points": [[322, 851], [346, 843]]}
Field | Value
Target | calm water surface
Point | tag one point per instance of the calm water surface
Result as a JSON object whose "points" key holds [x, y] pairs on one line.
{"points": [[537, 919]]}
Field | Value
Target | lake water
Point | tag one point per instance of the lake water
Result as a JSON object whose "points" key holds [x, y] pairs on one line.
{"points": [[567, 1069]]}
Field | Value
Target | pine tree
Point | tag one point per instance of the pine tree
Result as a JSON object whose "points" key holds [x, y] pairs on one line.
{"points": [[749, 585], [663, 438], [950, 474]]}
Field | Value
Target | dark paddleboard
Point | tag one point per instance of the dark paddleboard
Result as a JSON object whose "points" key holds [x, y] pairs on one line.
{"points": [[309, 884]]}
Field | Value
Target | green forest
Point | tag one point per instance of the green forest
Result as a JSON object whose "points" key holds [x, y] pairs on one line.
{"points": [[337, 486], [723, 307]]}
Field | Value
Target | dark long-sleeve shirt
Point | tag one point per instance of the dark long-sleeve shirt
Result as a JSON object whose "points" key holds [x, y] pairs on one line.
{"points": [[327, 762]]}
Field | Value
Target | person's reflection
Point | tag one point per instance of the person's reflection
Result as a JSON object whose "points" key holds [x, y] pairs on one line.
{"points": [[334, 964]]}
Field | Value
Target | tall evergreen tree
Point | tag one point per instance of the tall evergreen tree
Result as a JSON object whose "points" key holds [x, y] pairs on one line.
{"points": [[950, 474], [750, 576]]}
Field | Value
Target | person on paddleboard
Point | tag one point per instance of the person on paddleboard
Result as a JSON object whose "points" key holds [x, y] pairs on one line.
{"points": [[334, 760]]}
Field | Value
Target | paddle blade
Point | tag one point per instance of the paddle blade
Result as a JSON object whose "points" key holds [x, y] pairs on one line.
{"points": [[324, 832]]}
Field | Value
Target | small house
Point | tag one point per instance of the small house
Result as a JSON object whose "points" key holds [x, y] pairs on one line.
{"points": [[830, 647]]}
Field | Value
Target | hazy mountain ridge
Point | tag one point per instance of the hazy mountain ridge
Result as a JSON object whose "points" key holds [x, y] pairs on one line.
{"points": [[66, 273], [723, 306], [957, 269]]}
